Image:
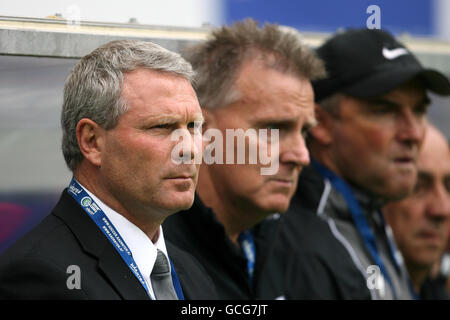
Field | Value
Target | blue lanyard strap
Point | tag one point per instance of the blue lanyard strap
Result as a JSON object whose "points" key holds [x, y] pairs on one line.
{"points": [[176, 283], [393, 248], [359, 218], [248, 247], [108, 229]]}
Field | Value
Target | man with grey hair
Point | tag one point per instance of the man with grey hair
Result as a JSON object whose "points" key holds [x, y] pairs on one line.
{"points": [[104, 240], [248, 78]]}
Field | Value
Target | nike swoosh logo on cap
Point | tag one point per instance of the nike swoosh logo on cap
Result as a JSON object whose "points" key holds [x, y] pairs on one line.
{"points": [[394, 53]]}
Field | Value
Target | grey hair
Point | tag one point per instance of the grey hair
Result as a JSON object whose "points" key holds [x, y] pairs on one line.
{"points": [[217, 60], [93, 88]]}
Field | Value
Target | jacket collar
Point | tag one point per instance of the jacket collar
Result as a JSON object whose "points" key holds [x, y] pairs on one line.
{"points": [[93, 241], [368, 202]]}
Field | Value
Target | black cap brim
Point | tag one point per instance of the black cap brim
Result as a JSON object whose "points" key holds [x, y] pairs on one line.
{"points": [[383, 82]]}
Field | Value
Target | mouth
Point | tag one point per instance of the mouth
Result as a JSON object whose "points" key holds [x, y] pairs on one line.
{"points": [[182, 182], [286, 182], [181, 177], [430, 236], [183, 173], [405, 161]]}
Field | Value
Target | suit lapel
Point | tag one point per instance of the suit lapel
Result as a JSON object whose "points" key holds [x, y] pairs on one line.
{"points": [[121, 277], [94, 242], [180, 262]]}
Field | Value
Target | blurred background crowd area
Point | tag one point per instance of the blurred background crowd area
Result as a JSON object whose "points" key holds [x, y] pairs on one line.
{"points": [[41, 41]]}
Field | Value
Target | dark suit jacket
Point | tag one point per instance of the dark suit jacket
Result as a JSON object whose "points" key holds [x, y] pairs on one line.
{"points": [[36, 266]]}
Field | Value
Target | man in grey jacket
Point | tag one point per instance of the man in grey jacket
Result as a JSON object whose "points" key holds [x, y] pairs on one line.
{"points": [[371, 112]]}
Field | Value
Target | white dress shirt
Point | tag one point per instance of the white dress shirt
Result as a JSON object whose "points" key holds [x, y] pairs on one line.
{"points": [[144, 251]]}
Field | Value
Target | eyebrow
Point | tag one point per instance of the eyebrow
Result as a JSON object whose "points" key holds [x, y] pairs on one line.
{"points": [[279, 121], [425, 177], [309, 123], [428, 177], [425, 102], [383, 101], [170, 118]]}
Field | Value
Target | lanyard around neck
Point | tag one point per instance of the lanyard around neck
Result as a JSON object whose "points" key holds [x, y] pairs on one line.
{"points": [[92, 209], [359, 219], [247, 243]]}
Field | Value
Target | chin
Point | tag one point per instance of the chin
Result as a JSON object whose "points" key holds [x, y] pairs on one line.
{"points": [[424, 260], [184, 205], [179, 203], [398, 191], [405, 182], [276, 206], [402, 193]]}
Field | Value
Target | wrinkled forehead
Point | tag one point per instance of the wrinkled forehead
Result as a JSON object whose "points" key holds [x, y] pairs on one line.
{"points": [[258, 83], [159, 97]]}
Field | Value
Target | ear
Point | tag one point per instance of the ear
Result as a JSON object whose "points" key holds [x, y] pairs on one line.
{"points": [[322, 132], [90, 137]]}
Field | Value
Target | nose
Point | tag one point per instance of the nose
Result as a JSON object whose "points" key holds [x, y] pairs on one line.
{"points": [[189, 147], [294, 151], [411, 127]]}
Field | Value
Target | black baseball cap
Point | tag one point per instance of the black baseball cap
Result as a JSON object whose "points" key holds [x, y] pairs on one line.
{"points": [[366, 63]]}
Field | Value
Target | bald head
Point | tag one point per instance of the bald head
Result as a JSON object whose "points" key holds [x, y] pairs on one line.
{"points": [[435, 150]]}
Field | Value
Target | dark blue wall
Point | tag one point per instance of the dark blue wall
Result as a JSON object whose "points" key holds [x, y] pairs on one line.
{"points": [[397, 16]]}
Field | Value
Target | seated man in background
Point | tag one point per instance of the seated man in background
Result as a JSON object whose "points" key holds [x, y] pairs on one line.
{"points": [[104, 240], [249, 79], [441, 270], [420, 222]]}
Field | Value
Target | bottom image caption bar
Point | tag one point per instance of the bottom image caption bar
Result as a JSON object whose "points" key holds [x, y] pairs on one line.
{"points": [[254, 310]]}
